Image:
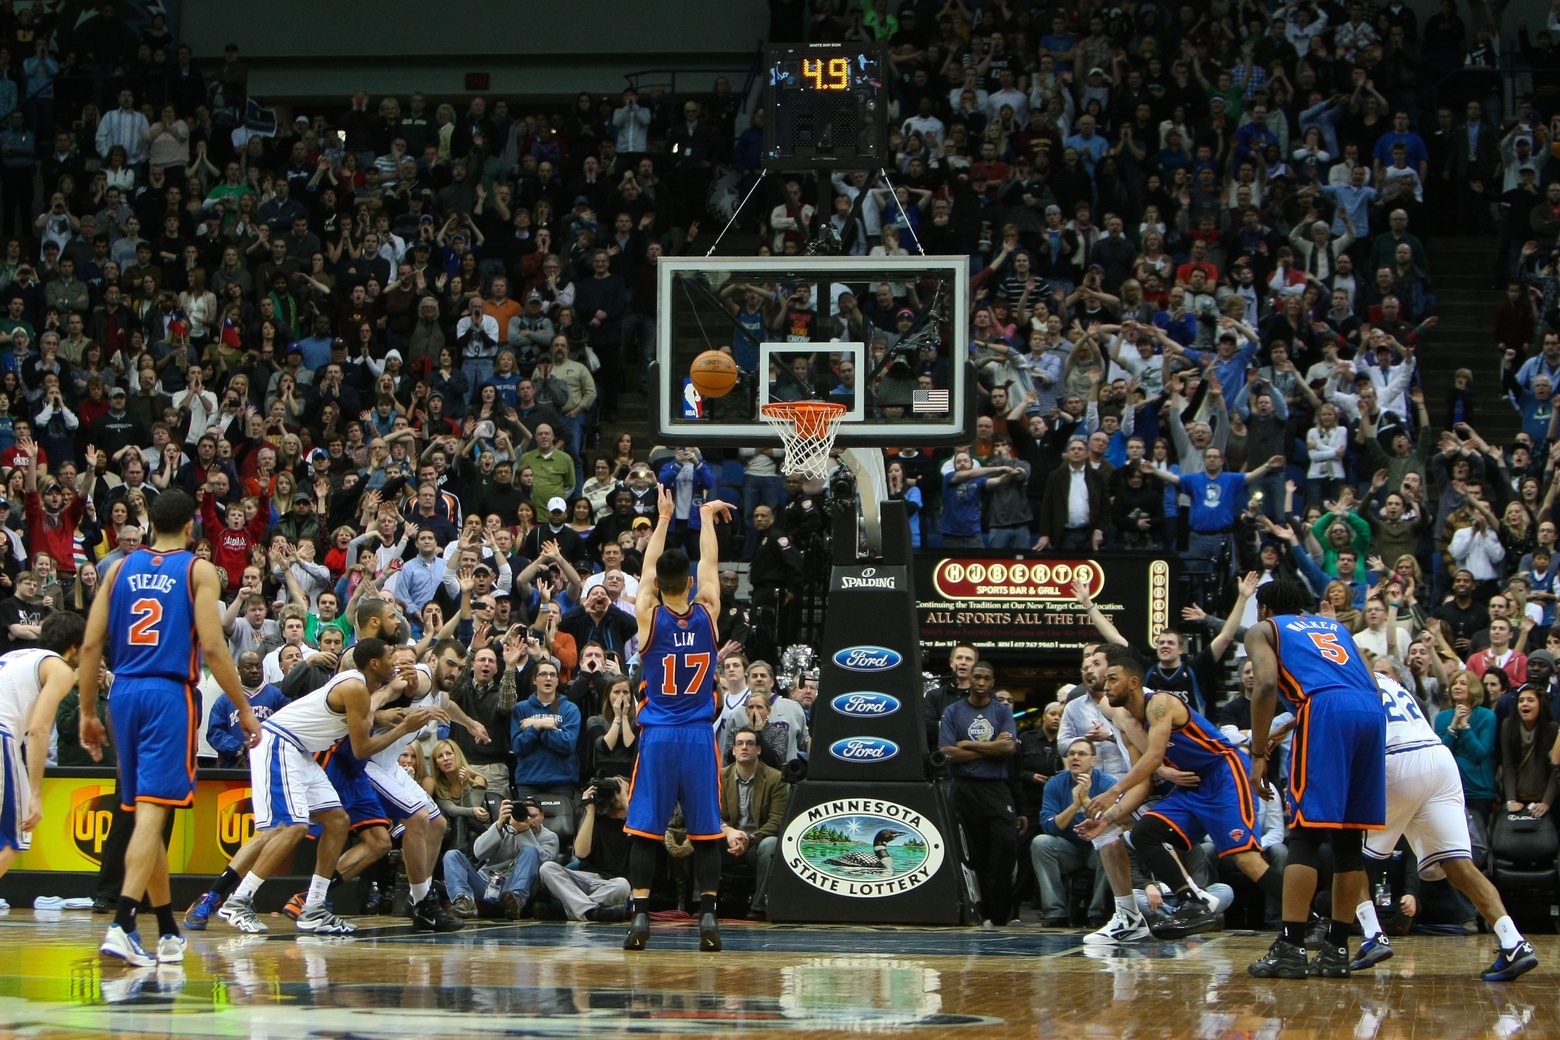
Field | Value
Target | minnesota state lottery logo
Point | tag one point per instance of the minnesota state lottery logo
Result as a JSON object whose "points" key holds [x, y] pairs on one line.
{"points": [[863, 847]]}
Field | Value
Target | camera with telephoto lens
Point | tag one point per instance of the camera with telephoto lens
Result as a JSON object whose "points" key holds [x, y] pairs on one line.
{"points": [[606, 790]]}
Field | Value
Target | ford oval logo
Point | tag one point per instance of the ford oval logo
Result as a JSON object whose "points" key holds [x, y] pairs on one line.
{"points": [[868, 658], [865, 705], [863, 749]]}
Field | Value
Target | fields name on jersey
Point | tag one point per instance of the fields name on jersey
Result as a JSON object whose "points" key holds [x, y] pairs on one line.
{"points": [[153, 582]]}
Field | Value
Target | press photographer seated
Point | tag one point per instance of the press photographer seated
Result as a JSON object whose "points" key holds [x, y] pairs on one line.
{"points": [[599, 890]]}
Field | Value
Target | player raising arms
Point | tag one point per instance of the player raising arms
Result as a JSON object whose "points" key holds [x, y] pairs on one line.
{"points": [[32, 684], [1337, 772], [679, 761], [156, 617]]}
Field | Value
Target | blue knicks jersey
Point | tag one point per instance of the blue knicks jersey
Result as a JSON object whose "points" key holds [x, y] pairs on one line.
{"points": [[1317, 657], [151, 618], [1197, 747], [679, 669]]}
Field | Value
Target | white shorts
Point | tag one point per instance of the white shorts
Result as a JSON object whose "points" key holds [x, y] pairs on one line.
{"points": [[401, 795], [15, 795], [288, 786], [1425, 805]]}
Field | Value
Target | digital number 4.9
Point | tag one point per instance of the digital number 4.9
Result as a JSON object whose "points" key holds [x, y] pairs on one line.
{"points": [[837, 72]]}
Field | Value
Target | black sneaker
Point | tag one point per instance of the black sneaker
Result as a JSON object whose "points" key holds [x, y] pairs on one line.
{"points": [[1316, 932], [709, 934], [1284, 960], [430, 916], [638, 932], [1190, 918], [606, 914], [1511, 963], [1331, 963]]}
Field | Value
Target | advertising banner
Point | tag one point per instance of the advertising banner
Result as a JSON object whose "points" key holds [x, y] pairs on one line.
{"points": [[1001, 602]]}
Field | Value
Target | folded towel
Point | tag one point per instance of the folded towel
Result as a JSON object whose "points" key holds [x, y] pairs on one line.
{"points": [[78, 903], [49, 903], [4, 905]]}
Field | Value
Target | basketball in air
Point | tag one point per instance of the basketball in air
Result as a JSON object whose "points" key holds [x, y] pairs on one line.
{"points": [[713, 373]]}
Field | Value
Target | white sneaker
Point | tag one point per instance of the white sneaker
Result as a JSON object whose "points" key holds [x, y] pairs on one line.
{"points": [[127, 947], [320, 921], [170, 949], [1121, 928], [240, 913]]}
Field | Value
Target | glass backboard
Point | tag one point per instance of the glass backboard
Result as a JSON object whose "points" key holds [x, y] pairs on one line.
{"points": [[885, 336]]}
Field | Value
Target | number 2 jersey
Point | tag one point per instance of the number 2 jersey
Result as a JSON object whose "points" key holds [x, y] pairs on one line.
{"points": [[1407, 729], [679, 669], [151, 619], [1317, 658]]}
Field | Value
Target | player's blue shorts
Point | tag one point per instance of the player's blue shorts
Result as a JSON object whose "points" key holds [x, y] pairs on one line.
{"points": [[154, 724], [676, 765], [1338, 768], [1221, 807], [358, 796]]}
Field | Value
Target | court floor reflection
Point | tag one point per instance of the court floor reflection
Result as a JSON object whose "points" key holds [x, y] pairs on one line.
{"points": [[502, 980]]}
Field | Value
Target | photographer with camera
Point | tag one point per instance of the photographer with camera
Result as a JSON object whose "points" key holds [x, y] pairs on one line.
{"points": [[599, 890], [506, 861]]}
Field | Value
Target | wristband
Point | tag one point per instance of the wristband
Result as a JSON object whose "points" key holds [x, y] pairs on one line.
{"points": [[665, 516]]}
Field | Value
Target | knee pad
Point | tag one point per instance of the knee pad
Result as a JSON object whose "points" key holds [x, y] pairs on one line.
{"points": [[1305, 845], [1348, 849], [1152, 832]]}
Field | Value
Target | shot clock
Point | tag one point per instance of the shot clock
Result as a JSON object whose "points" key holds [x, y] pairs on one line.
{"points": [[827, 107]]}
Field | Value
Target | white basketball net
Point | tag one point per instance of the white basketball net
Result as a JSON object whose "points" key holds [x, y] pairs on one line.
{"points": [[807, 429]]}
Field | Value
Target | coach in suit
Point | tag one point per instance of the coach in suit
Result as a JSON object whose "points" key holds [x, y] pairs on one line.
{"points": [[752, 802], [1471, 165], [1072, 512]]}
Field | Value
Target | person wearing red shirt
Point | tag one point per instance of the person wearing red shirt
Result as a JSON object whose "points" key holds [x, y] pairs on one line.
{"points": [[231, 538], [53, 517]]}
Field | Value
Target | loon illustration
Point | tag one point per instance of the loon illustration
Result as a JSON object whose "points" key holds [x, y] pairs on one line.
{"points": [[877, 859]]}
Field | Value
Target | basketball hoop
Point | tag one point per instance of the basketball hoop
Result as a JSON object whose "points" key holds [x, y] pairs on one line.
{"points": [[807, 430]]}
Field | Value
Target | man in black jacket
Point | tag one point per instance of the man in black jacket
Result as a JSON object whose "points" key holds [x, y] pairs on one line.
{"points": [[777, 576]]}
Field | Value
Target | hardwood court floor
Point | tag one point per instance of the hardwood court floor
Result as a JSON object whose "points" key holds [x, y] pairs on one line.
{"points": [[495, 979]]}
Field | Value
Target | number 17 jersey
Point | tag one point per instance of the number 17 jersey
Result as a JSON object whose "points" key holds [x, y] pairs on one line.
{"points": [[151, 619], [679, 669]]}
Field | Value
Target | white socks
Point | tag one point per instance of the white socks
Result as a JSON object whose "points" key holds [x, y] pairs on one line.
{"points": [[1127, 906], [1507, 933], [420, 890], [1366, 912], [249, 886], [318, 887]]}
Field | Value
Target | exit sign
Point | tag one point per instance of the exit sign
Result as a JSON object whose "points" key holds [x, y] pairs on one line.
{"points": [[477, 80]]}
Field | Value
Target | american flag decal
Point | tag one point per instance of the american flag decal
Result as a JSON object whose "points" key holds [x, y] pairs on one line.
{"points": [[929, 401]]}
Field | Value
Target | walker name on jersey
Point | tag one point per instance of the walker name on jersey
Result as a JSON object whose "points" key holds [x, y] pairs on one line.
{"points": [[153, 582], [864, 749], [865, 705], [868, 658]]}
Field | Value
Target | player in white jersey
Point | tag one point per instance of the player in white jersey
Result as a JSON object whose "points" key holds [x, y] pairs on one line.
{"points": [[405, 801], [290, 787], [32, 684], [1425, 805]]}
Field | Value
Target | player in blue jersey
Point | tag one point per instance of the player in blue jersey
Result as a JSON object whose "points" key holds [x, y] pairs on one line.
{"points": [[1166, 730], [157, 615], [1337, 772], [679, 761]]}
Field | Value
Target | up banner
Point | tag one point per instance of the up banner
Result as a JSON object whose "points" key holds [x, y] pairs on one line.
{"points": [[1025, 603], [78, 807]]}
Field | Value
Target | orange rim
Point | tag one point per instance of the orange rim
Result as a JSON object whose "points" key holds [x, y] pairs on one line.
{"points": [[811, 418]]}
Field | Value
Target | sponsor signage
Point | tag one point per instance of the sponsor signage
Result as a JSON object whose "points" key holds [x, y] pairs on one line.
{"points": [[1008, 602], [78, 812], [865, 705], [863, 749], [863, 848], [868, 659], [869, 578]]}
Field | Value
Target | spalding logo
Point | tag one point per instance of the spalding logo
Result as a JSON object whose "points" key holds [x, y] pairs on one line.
{"points": [[865, 705], [867, 659], [863, 749]]}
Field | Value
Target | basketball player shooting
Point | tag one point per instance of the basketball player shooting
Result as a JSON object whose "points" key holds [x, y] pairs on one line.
{"points": [[679, 761]]}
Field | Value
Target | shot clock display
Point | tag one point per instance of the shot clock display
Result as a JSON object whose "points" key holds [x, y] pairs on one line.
{"points": [[827, 107]]}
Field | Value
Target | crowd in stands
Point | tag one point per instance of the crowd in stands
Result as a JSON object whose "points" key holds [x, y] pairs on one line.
{"points": [[386, 346]]}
